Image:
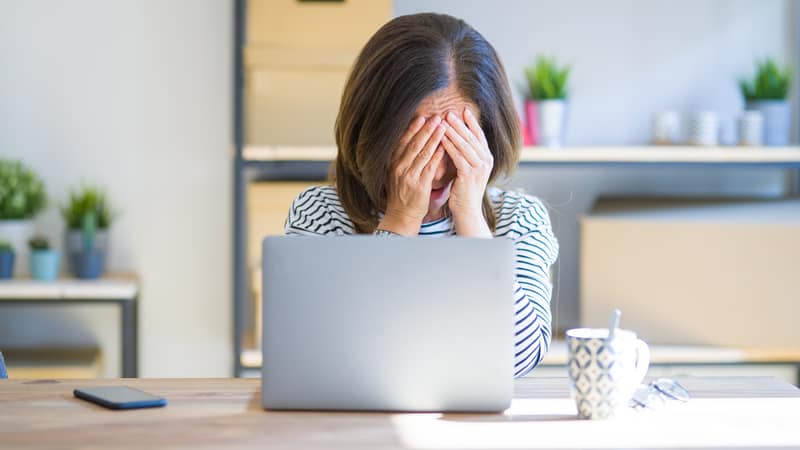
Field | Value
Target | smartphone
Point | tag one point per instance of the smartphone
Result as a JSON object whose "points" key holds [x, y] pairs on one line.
{"points": [[119, 397]]}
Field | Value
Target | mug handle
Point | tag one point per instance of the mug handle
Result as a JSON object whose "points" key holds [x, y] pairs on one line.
{"points": [[642, 361]]}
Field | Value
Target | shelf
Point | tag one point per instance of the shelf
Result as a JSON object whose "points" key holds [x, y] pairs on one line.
{"points": [[54, 362], [112, 287], [779, 156], [288, 153], [251, 359]]}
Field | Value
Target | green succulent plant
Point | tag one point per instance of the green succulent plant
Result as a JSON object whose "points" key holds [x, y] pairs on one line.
{"points": [[87, 201], [547, 80], [39, 243], [5, 247], [22, 193], [771, 82]]}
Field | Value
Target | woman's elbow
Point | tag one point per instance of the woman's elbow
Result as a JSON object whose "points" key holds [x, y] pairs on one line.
{"points": [[525, 364]]}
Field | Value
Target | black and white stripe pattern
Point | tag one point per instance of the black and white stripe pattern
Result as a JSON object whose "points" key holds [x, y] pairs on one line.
{"points": [[522, 218]]}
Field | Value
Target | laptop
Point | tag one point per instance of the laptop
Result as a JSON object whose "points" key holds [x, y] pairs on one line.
{"points": [[387, 324]]}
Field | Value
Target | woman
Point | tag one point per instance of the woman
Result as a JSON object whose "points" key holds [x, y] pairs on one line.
{"points": [[426, 123]]}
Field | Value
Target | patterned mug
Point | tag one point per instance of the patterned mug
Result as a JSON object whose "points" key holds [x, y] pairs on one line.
{"points": [[604, 374]]}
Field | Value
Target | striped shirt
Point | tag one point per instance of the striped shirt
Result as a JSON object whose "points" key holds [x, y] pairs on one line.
{"points": [[522, 218]]}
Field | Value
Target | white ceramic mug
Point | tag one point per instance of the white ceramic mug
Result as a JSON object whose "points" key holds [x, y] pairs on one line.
{"points": [[751, 128], [604, 374], [704, 129], [666, 127]]}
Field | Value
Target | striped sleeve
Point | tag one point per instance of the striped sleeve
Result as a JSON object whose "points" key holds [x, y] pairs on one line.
{"points": [[525, 220], [317, 212]]}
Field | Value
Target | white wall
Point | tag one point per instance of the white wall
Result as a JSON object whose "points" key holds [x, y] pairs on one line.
{"points": [[631, 58], [136, 96]]}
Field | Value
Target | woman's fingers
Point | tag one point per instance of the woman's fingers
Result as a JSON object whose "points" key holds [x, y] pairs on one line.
{"points": [[416, 144], [427, 151], [461, 128], [461, 163], [465, 148], [413, 128], [475, 127], [430, 169]]}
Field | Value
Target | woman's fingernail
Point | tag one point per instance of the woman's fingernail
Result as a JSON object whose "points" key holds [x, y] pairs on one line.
{"points": [[469, 113]]}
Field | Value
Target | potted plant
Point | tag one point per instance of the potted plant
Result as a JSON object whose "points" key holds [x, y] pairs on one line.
{"points": [[547, 85], [45, 261], [6, 260], [88, 217], [22, 196], [768, 93]]}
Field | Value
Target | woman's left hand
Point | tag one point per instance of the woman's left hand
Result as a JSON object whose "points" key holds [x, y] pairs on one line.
{"points": [[466, 145]]}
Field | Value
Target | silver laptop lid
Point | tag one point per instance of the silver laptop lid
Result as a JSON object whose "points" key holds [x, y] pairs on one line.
{"points": [[363, 323]]}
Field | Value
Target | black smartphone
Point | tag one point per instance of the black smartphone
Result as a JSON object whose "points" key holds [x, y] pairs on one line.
{"points": [[119, 397]]}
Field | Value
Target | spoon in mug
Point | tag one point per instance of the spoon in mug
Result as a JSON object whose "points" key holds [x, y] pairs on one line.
{"points": [[613, 323]]}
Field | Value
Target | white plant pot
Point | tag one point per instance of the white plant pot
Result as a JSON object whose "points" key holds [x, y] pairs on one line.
{"points": [[777, 120], [552, 115], [18, 232]]}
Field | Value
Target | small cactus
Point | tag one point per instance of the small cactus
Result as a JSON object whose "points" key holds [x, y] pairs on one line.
{"points": [[39, 243], [89, 230]]}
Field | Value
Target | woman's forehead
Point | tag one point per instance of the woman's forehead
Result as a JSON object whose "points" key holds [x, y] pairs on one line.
{"points": [[444, 100]]}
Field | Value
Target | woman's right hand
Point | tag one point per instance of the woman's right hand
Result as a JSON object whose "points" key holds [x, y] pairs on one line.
{"points": [[413, 167]]}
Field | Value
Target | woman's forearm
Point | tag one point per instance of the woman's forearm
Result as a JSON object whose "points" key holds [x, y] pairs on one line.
{"points": [[531, 334]]}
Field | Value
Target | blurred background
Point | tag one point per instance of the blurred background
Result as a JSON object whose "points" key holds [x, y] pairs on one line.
{"points": [[169, 136]]}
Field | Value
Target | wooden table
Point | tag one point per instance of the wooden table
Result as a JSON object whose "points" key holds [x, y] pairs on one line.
{"points": [[122, 290], [227, 413]]}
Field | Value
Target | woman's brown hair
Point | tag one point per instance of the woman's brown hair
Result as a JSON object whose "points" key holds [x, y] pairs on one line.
{"points": [[406, 60]]}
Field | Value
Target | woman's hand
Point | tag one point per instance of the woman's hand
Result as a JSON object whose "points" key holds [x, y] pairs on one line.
{"points": [[414, 165], [466, 145]]}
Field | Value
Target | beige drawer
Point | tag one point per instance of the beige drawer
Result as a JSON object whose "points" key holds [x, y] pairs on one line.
{"points": [[694, 272], [297, 60], [290, 23], [292, 106]]}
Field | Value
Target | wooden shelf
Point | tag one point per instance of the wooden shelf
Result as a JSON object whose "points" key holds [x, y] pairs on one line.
{"points": [[56, 362], [111, 287], [578, 155]]}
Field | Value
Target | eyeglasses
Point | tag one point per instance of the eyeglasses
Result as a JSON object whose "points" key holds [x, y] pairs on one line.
{"points": [[659, 393]]}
